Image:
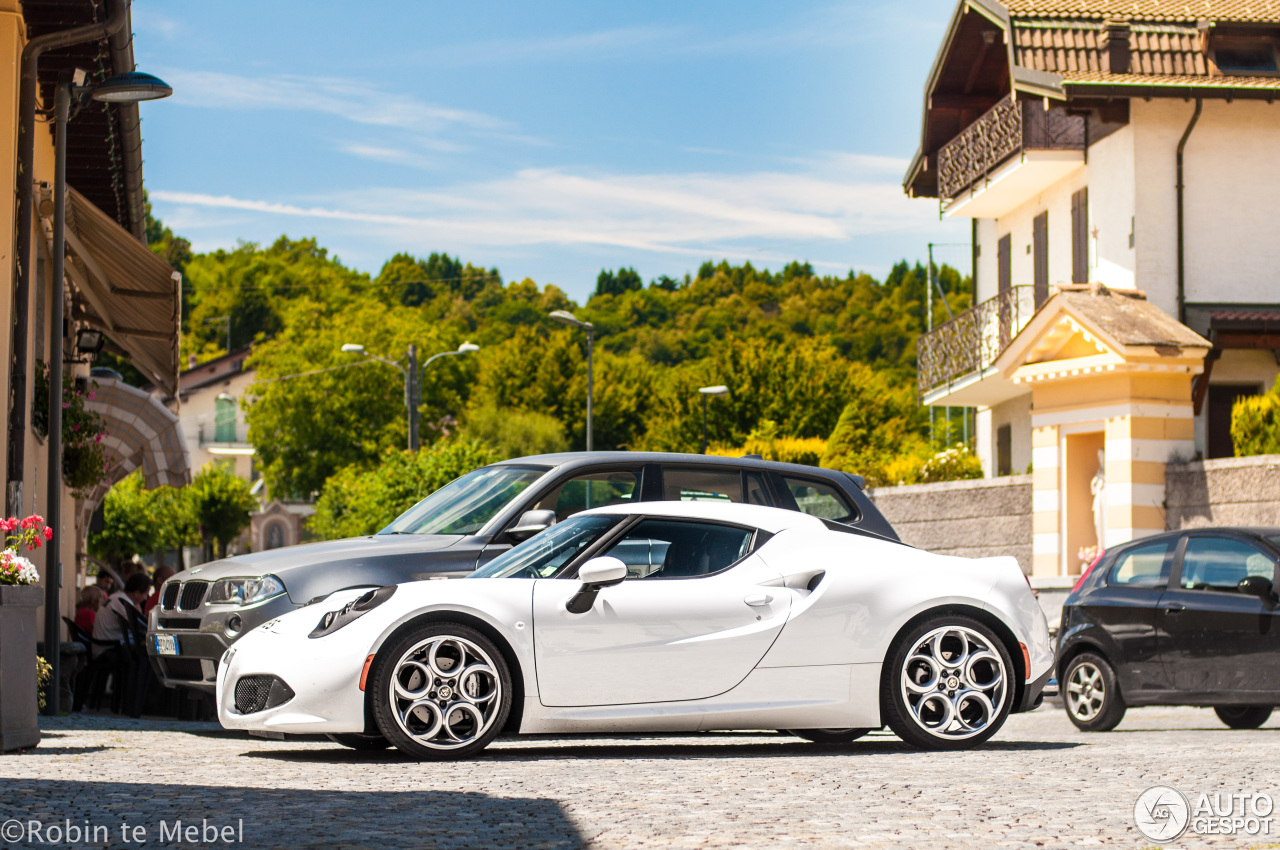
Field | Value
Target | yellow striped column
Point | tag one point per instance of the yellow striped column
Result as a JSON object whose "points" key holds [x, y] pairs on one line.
{"points": [[1045, 502], [1138, 447]]}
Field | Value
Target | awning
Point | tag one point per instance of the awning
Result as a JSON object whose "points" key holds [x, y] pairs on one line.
{"points": [[141, 433], [122, 288]]}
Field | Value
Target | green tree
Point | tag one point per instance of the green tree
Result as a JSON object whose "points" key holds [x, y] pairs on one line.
{"points": [[357, 501], [516, 433], [221, 504], [137, 521]]}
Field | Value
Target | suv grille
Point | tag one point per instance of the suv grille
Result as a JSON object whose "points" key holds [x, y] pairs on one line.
{"points": [[192, 593], [255, 693], [170, 597]]}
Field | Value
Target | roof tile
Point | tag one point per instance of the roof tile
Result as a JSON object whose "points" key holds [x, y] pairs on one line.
{"points": [[1190, 11]]}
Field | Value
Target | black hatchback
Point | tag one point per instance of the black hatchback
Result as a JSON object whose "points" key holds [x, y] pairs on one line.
{"points": [[1182, 618]]}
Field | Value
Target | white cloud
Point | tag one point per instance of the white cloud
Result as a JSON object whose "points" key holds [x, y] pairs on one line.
{"points": [[698, 214]]}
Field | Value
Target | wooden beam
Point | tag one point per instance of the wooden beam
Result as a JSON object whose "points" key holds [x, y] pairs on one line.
{"points": [[1247, 339], [980, 102]]}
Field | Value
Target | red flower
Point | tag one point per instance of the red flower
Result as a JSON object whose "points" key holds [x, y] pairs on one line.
{"points": [[48, 533]]}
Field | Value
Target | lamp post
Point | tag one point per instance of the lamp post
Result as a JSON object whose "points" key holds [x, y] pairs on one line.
{"points": [[412, 377], [705, 392], [572, 320], [122, 88]]}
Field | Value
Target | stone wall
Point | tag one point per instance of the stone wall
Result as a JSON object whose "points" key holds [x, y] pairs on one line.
{"points": [[972, 519], [1227, 491]]}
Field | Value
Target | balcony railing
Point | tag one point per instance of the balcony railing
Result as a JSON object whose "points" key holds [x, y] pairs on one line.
{"points": [[1008, 128], [973, 340]]}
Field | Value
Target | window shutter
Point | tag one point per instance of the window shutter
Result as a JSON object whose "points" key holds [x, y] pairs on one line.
{"points": [[1004, 259], [1040, 250], [1080, 236]]}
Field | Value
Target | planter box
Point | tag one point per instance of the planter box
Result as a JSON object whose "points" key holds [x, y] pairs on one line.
{"points": [[19, 727]]}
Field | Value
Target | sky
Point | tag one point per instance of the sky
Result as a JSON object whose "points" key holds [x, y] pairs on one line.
{"points": [[549, 139]]}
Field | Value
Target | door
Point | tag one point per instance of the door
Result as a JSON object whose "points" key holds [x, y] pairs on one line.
{"points": [[1125, 607], [696, 615], [1218, 638], [1222, 398]]}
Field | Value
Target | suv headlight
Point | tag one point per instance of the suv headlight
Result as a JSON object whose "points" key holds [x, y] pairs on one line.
{"points": [[245, 591]]}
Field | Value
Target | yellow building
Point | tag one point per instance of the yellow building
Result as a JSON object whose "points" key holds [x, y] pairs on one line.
{"points": [[113, 284]]}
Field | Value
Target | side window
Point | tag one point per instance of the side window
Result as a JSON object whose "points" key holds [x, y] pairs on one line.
{"points": [[700, 485], [592, 490], [1143, 566], [660, 548], [1220, 563], [757, 493], [820, 499]]}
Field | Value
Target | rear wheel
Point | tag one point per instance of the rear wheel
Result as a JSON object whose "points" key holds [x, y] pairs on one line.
{"points": [[948, 684], [357, 741], [1243, 716], [828, 736], [1092, 695], [442, 691]]}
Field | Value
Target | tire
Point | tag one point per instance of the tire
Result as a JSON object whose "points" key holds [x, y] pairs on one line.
{"points": [[828, 736], [948, 684], [441, 692], [1243, 716], [361, 742], [1091, 694]]}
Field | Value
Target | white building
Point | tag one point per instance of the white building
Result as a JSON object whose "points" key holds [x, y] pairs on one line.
{"points": [[1105, 145]]}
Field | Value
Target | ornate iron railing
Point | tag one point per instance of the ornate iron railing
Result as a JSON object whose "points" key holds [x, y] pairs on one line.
{"points": [[1008, 128], [974, 339]]}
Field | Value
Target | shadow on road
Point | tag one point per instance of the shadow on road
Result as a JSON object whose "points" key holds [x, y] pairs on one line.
{"points": [[289, 817]]}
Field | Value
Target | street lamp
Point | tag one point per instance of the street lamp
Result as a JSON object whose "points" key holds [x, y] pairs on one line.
{"points": [[705, 392], [572, 320], [122, 88], [412, 377]]}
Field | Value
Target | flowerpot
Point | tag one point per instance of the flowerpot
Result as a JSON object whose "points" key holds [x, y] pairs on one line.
{"points": [[19, 726]]}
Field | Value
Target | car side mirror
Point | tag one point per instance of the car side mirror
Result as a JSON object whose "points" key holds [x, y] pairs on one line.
{"points": [[595, 574], [1259, 587], [530, 523]]}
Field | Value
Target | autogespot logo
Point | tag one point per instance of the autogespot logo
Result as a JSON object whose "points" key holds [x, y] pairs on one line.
{"points": [[1162, 813]]}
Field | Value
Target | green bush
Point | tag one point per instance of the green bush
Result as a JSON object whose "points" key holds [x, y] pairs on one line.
{"points": [[357, 501], [1255, 424], [954, 464]]}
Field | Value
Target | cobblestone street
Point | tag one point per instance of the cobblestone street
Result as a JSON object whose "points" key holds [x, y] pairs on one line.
{"points": [[1039, 783]]}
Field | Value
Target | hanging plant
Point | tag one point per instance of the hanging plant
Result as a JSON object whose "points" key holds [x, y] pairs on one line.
{"points": [[84, 458]]}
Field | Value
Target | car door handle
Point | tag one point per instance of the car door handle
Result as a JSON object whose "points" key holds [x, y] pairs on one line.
{"points": [[758, 600], [1173, 607]]}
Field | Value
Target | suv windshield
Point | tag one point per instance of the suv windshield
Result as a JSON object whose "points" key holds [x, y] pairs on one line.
{"points": [[542, 555], [465, 505]]}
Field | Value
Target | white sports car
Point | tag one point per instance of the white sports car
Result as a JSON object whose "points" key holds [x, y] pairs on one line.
{"points": [[657, 617]]}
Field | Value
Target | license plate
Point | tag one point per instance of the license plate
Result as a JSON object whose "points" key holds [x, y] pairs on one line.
{"points": [[166, 644]]}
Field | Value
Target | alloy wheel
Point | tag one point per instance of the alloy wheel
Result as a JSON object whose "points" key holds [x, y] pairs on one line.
{"points": [[445, 692], [954, 683], [1086, 692]]}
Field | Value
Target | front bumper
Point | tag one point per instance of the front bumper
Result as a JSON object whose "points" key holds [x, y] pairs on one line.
{"points": [[201, 647]]}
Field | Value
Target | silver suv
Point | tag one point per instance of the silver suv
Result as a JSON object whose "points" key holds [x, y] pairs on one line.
{"points": [[459, 528]]}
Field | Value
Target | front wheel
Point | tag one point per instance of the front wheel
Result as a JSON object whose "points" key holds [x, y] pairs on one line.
{"points": [[828, 736], [442, 691], [1092, 694], [1243, 716], [948, 684]]}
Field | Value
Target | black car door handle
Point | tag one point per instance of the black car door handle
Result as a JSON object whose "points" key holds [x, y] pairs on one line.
{"points": [[1174, 607]]}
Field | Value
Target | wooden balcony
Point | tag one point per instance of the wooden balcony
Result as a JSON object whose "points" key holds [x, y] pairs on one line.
{"points": [[1012, 152], [954, 359]]}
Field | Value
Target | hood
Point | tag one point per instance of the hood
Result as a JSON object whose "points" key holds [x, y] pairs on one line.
{"points": [[342, 562]]}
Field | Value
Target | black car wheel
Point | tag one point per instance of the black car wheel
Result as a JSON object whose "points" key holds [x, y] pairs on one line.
{"points": [[1091, 694], [828, 736], [1243, 716], [948, 684], [357, 741], [441, 691]]}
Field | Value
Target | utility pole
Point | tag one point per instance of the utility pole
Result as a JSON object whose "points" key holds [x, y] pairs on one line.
{"points": [[411, 396]]}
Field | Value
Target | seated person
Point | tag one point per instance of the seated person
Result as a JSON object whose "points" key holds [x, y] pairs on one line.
{"points": [[106, 583], [91, 599], [114, 621]]}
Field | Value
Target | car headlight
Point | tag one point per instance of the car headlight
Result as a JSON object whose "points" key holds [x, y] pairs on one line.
{"points": [[245, 591], [353, 610]]}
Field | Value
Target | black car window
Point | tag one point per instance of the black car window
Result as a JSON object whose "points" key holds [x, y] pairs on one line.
{"points": [[543, 555], [659, 548], [592, 490], [820, 499], [1220, 563], [1142, 566], [682, 484], [757, 492]]}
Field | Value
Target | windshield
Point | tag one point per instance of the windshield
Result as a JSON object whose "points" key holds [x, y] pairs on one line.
{"points": [[465, 505], [544, 554]]}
